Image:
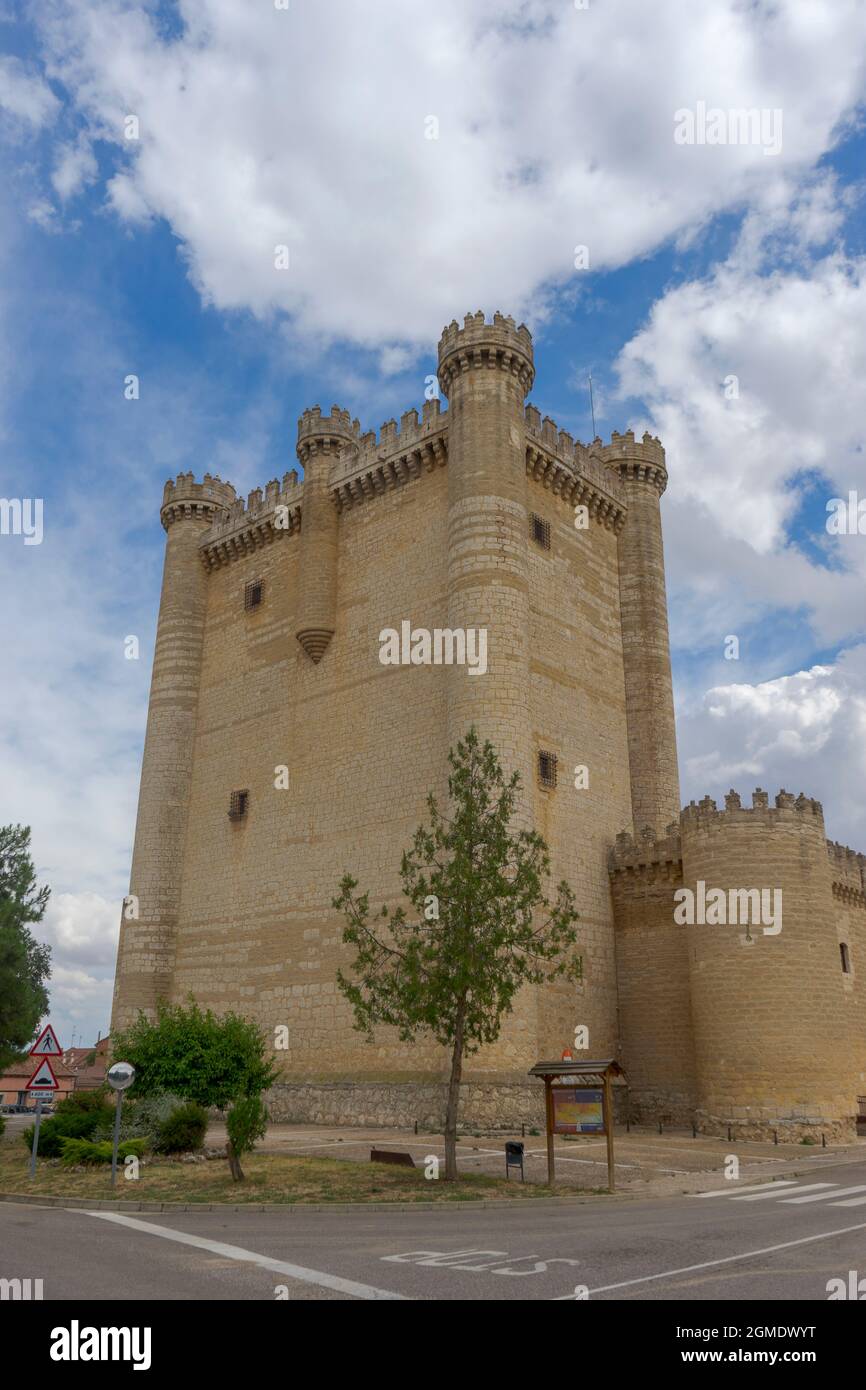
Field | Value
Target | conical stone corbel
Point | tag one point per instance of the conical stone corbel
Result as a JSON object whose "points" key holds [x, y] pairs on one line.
{"points": [[314, 641]]}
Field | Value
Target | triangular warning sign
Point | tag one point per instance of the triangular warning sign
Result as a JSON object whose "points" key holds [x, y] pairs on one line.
{"points": [[43, 1079], [46, 1045]]}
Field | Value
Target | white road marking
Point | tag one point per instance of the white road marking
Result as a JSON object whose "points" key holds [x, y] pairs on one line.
{"points": [[800, 1187], [854, 1202], [758, 1187], [236, 1252], [710, 1264], [837, 1191]]}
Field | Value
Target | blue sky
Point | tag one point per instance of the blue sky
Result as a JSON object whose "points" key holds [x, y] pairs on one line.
{"points": [[309, 127]]}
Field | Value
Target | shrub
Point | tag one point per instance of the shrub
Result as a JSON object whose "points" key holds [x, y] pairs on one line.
{"points": [[83, 1102], [86, 1151], [70, 1123], [2, 1125], [246, 1122], [205, 1058], [182, 1131], [140, 1118]]}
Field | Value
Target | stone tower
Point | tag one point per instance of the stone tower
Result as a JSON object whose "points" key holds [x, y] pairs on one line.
{"points": [[145, 961], [771, 1035], [486, 370], [321, 442], [652, 742], [284, 749]]}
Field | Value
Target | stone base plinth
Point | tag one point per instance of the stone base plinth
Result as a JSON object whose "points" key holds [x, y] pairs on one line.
{"points": [[483, 1105]]}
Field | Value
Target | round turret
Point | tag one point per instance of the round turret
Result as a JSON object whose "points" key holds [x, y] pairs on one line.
{"points": [[322, 441], [479, 344], [210, 500], [763, 952]]}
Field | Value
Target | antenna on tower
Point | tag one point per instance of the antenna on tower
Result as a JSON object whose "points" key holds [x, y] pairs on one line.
{"points": [[592, 405]]}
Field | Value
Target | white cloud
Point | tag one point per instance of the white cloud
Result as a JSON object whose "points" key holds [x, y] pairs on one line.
{"points": [[25, 95], [75, 167], [262, 127], [804, 732], [44, 214], [126, 199], [83, 927], [395, 359], [81, 1002], [752, 378]]}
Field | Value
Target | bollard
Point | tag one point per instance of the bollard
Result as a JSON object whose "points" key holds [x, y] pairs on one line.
{"points": [[775, 1136], [823, 1140], [729, 1134]]}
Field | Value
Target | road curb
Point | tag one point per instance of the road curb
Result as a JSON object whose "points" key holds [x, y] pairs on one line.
{"points": [[92, 1204]]}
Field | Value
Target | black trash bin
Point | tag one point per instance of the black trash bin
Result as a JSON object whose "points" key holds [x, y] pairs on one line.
{"points": [[514, 1157]]}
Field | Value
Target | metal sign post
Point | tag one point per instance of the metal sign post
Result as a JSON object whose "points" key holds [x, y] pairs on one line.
{"points": [[41, 1082], [120, 1076], [36, 1136]]}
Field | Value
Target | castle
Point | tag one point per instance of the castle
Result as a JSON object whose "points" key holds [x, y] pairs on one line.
{"points": [[282, 751]]}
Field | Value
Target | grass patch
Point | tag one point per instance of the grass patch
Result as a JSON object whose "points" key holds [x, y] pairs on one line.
{"points": [[269, 1178]]}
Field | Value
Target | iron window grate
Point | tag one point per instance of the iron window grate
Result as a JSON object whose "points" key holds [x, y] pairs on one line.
{"points": [[253, 594], [547, 768], [540, 530]]}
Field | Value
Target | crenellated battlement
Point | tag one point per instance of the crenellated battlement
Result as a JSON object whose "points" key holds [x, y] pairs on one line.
{"points": [[641, 460], [647, 852], [476, 329], [500, 344], [393, 439], [184, 497], [848, 868], [705, 812], [843, 855], [648, 848], [255, 521], [565, 466], [334, 433], [396, 457]]}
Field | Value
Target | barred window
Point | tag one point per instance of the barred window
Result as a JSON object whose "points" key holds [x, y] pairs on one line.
{"points": [[253, 594], [547, 769], [846, 959], [238, 804], [540, 530]]}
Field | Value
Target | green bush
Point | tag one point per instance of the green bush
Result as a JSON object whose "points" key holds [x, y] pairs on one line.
{"points": [[182, 1131], [86, 1151], [2, 1125], [205, 1058], [139, 1119], [69, 1123], [246, 1122], [84, 1102]]}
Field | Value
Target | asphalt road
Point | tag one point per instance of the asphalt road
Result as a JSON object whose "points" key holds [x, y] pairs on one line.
{"points": [[751, 1242]]}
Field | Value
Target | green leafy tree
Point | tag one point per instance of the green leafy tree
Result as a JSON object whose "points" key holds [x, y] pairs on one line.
{"points": [[481, 928], [217, 1062], [246, 1122], [25, 965]]}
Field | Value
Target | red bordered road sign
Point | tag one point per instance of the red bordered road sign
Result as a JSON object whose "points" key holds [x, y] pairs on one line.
{"points": [[43, 1079], [46, 1045]]}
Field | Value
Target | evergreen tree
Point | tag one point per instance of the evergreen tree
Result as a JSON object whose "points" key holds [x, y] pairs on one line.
{"points": [[25, 965]]}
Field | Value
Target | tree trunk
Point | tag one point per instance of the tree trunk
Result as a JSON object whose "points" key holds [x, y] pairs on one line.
{"points": [[454, 1098], [234, 1162]]}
